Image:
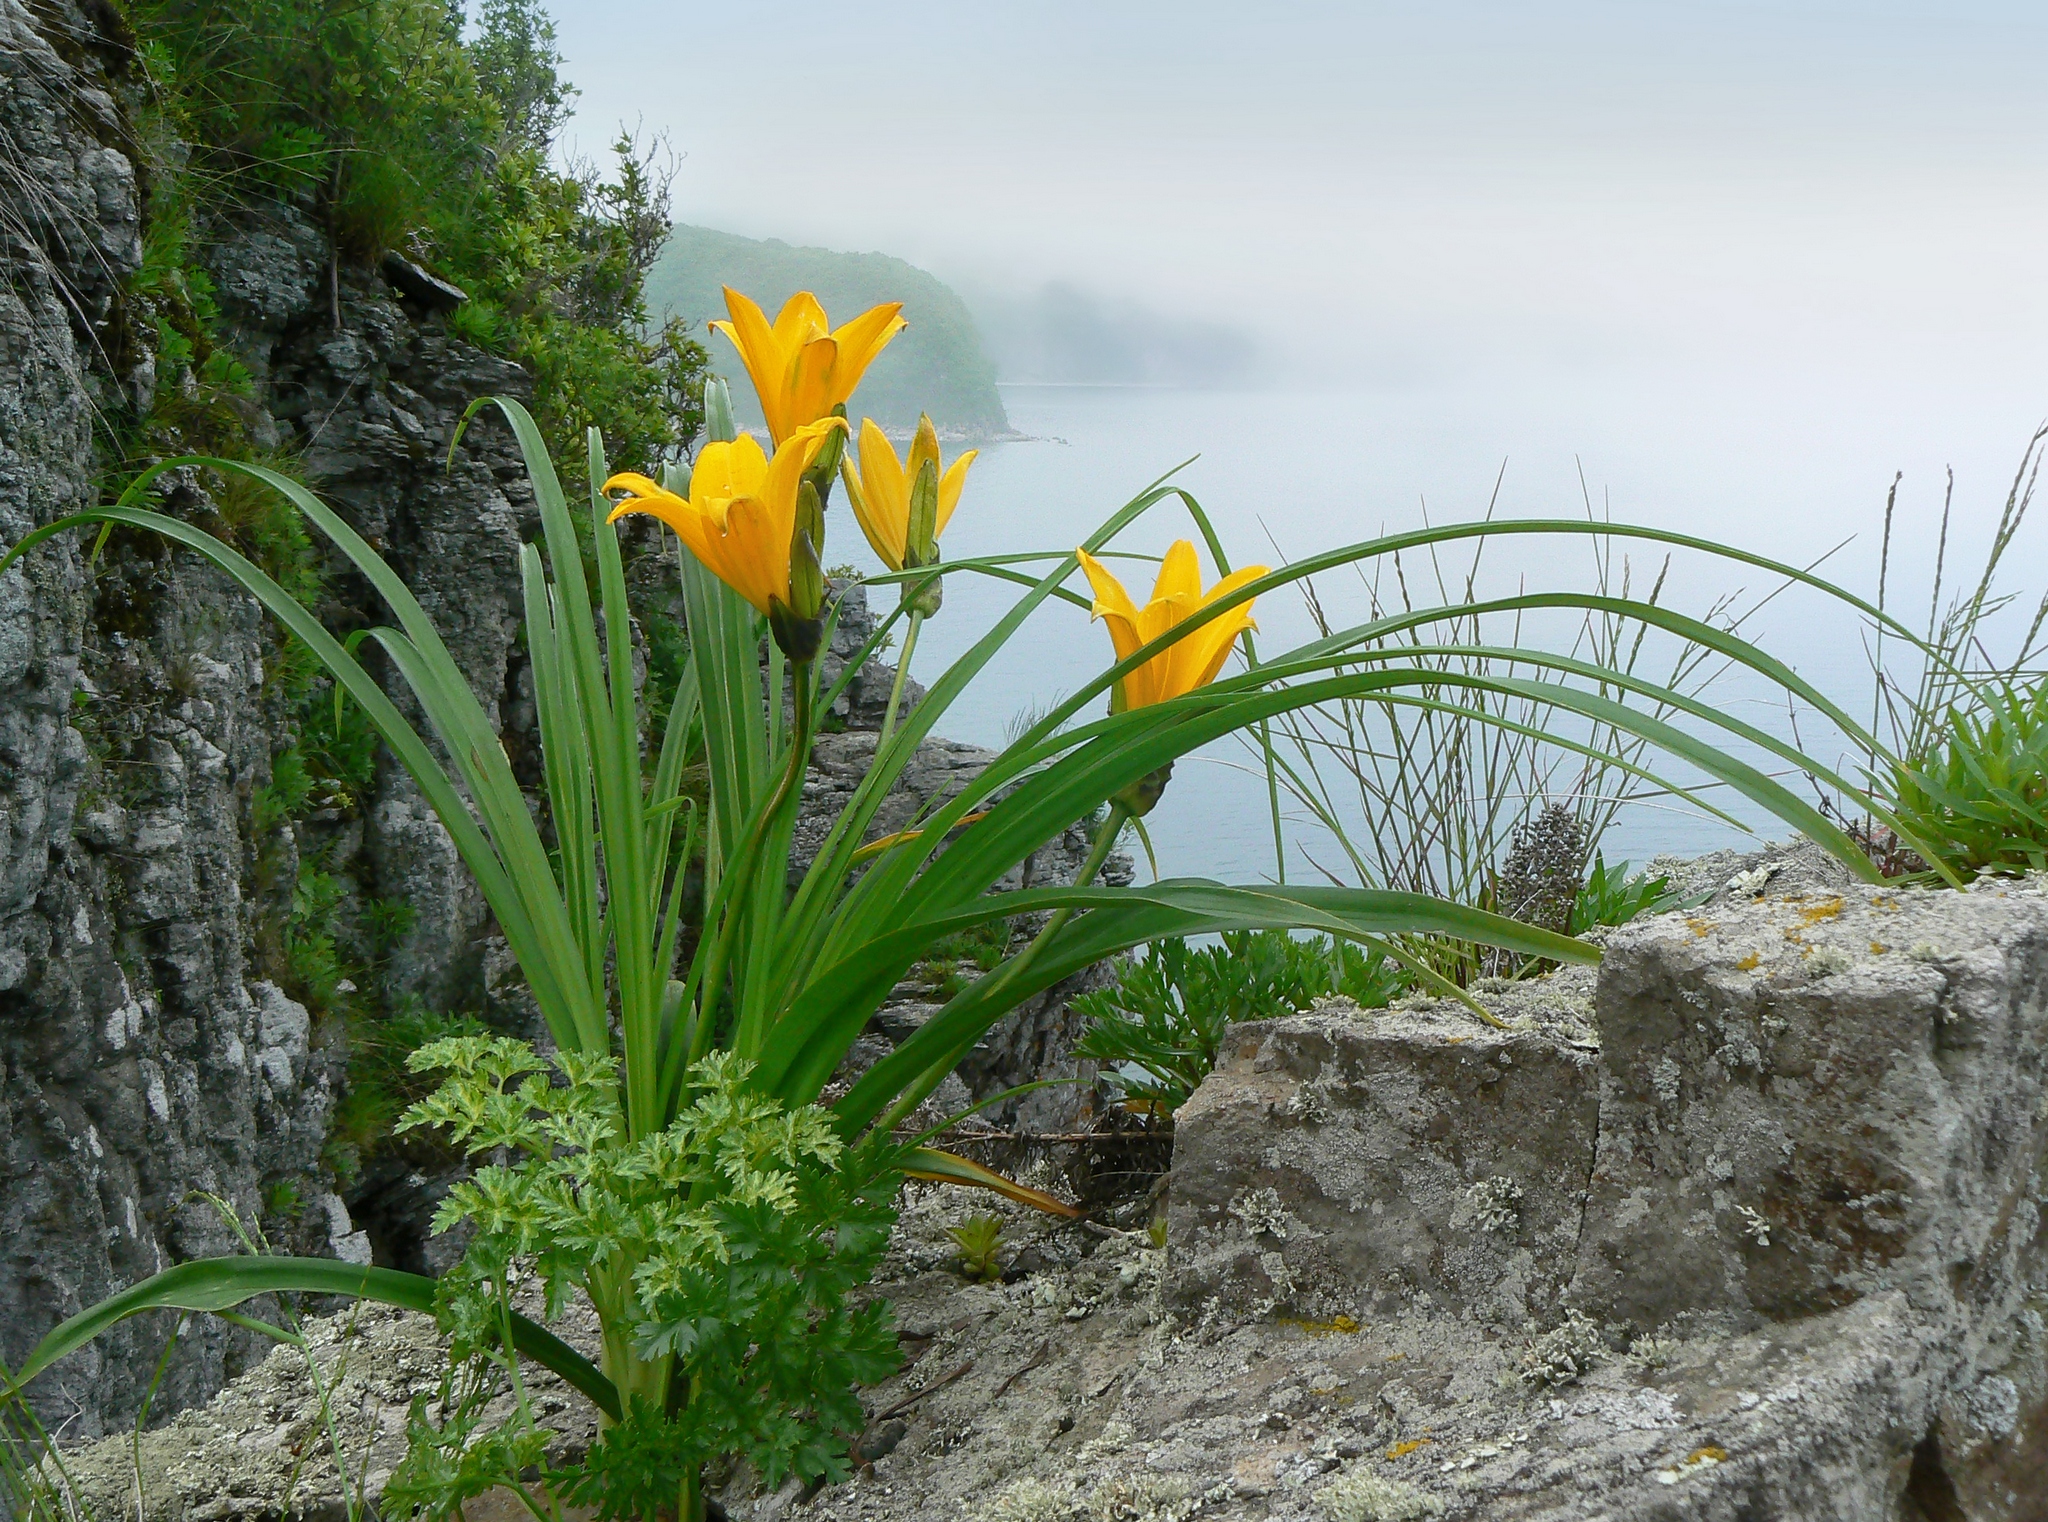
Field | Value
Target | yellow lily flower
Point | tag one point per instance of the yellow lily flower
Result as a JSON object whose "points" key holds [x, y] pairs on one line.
{"points": [[802, 367], [881, 495], [740, 516], [1193, 661]]}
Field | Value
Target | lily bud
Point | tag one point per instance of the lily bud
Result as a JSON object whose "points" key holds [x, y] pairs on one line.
{"points": [[921, 533], [1138, 799], [925, 596], [797, 638], [825, 465], [921, 539], [799, 624], [810, 515]]}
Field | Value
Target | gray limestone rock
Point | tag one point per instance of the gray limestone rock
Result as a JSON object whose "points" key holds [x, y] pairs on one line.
{"points": [[1832, 1374], [1337, 1165], [148, 1065]]}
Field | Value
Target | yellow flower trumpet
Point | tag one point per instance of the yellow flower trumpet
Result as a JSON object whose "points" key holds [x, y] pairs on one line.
{"points": [[1195, 659], [903, 507], [742, 517], [884, 495], [802, 367]]}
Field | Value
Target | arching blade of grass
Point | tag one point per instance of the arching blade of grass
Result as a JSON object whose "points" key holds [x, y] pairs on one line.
{"points": [[220, 1284], [945, 1167]]}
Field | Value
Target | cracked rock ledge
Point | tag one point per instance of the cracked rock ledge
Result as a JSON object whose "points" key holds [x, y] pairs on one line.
{"points": [[1744, 1226]]}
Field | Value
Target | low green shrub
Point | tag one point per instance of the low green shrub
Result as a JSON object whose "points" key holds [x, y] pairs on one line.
{"points": [[1611, 896], [1157, 1028], [733, 1237], [1978, 795]]}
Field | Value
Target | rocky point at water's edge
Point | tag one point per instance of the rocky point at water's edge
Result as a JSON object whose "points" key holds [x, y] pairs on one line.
{"points": [[1745, 1225]]}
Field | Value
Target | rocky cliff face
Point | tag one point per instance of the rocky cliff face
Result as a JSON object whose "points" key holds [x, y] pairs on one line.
{"points": [[145, 1062], [154, 1077]]}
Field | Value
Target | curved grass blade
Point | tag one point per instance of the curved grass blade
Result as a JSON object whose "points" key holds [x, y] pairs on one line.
{"points": [[220, 1284], [950, 1168]]}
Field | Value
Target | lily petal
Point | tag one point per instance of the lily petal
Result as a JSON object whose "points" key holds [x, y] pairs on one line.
{"points": [[800, 320], [807, 394], [861, 340], [761, 351], [950, 485], [1180, 574], [885, 515]]}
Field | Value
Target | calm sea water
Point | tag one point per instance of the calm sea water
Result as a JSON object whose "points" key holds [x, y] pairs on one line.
{"points": [[1284, 475]]}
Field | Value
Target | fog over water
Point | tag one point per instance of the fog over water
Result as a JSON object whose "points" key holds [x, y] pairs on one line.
{"points": [[1739, 263]]}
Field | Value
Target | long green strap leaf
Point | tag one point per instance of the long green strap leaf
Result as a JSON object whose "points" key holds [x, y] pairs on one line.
{"points": [[219, 1284], [1120, 918]]}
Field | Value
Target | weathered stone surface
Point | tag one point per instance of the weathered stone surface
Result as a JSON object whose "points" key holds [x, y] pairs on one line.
{"points": [[1901, 1385], [269, 1447], [1336, 1166], [1816, 1099], [133, 1065]]}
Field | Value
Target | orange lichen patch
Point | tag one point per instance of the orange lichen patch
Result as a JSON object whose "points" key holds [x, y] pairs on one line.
{"points": [[1336, 1326], [1825, 910], [1700, 928], [1713, 1453], [1402, 1450], [1748, 963], [1878, 948]]}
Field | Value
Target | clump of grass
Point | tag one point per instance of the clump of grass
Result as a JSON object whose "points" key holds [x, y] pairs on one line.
{"points": [[1978, 794], [957, 960], [1969, 729], [1431, 789], [1612, 896], [382, 1084]]}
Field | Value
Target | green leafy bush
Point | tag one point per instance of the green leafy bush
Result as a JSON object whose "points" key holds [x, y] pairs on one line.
{"points": [[732, 1238], [1158, 1027], [1978, 795], [402, 136], [1610, 896]]}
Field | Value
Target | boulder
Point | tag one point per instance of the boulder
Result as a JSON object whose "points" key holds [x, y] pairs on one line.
{"points": [[1337, 1166], [1746, 1227]]}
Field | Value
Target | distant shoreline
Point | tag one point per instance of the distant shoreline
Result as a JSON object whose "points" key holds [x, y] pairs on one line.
{"points": [[1003, 385], [973, 436]]}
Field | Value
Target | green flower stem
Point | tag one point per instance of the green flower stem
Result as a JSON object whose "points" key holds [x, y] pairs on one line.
{"points": [[743, 861], [1010, 971], [902, 671]]}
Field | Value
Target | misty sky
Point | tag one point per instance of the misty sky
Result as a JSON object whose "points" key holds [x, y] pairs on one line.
{"points": [[1393, 189]]}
